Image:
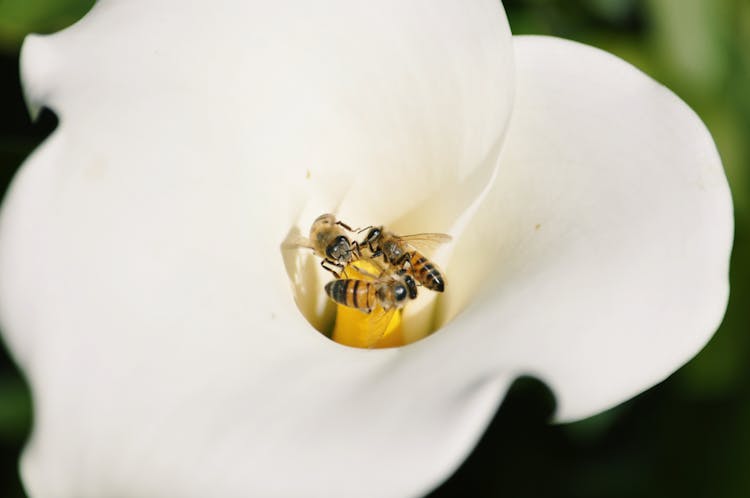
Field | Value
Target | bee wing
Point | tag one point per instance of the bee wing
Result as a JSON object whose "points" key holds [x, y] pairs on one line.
{"points": [[426, 241], [380, 319], [297, 242]]}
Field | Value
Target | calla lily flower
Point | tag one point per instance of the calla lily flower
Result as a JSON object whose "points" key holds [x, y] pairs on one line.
{"points": [[144, 293]]}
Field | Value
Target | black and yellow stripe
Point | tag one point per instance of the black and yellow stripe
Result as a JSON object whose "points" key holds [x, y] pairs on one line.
{"points": [[426, 273], [353, 293]]}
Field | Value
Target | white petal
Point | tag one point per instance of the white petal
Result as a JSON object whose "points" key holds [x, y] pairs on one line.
{"points": [[600, 256], [143, 290], [417, 95]]}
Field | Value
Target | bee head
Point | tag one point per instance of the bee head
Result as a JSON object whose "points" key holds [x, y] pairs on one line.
{"points": [[400, 292], [339, 249]]}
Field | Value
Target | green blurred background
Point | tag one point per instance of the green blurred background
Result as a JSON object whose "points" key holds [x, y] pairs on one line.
{"points": [[687, 437]]}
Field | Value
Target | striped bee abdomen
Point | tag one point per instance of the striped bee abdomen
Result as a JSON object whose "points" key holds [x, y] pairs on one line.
{"points": [[426, 273], [352, 293]]}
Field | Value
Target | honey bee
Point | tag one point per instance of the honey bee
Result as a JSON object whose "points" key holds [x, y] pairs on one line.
{"points": [[380, 298], [399, 252], [388, 292], [329, 241]]}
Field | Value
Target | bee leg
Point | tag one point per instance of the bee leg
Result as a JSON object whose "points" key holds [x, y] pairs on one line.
{"points": [[328, 268], [350, 229], [355, 249], [377, 253], [405, 261]]}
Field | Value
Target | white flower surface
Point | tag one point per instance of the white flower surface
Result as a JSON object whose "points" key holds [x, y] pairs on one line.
{"points": [[144, 293]]}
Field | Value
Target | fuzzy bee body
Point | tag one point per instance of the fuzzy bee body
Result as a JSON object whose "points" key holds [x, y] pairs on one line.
{"points": [[425, 272], [354, 293], [329, 240], [387, 292], [399, 253]]}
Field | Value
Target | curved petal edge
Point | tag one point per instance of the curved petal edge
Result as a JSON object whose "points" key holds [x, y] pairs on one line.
{"points": [[602, 250]]}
